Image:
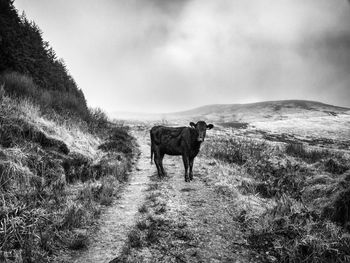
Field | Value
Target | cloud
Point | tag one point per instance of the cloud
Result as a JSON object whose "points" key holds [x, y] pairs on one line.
{"points": [[169, 55], [246, 51]]}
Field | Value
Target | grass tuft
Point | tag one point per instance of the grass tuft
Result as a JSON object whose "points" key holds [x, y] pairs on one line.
{"points": [[134, 239], [311, 156], [334, 167], [143, 209]]}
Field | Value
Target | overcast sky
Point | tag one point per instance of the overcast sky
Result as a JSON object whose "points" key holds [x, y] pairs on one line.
{"points": [[171, 55]]}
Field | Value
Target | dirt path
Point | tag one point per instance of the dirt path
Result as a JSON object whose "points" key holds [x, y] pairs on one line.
{"points": [[179, 221], [185, 222], [117, 220], [207, 215]]}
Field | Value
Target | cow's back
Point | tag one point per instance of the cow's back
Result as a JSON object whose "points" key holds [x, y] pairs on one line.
{"points": [[162, 135]]}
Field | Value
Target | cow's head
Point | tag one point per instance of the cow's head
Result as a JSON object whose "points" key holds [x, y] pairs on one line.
{"points": [[201, 127]]}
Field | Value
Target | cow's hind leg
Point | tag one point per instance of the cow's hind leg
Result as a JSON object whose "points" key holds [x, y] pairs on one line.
{"points": [[157, 161], [159, 170], [161, 164], [191, 166], [186, 162]]}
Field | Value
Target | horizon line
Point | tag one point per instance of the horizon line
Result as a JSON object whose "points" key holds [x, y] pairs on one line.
{"points": [[221, 104]]}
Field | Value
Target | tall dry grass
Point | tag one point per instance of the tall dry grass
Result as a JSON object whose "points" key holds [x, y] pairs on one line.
{"points": [[291, 201], [54, 179], [67, 103]]}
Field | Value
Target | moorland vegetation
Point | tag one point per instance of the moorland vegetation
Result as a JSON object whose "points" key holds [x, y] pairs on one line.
{"points": [[302, 192]]}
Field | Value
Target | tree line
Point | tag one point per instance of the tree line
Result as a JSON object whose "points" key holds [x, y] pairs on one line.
{"points": [[29, 66]]}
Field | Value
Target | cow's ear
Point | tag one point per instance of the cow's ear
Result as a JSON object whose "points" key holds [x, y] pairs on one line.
{"points": [[192, 124], [210, 126]]}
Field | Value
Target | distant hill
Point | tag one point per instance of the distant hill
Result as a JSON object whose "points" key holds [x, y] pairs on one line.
{"points": [[251, 112], [267, 110]]}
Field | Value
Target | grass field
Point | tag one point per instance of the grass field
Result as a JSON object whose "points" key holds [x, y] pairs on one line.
{"points": [[274, 190], [292, 198], [285, 196]]}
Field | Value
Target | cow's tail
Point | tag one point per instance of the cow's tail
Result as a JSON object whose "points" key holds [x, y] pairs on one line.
{"points": [[151, 154]]}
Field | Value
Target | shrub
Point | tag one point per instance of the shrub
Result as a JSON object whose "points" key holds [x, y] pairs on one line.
{"points": [[118, 141], [19, 85], [143, 209], [291, 232], [234, 156], [279, 177], [107, 194], [59, 105], [73, 217], [235, 150], [22, 86], [134, 238], [142, 225], [98, 120], [339, 209], [298, 150], [234, 124], [334, 167], [78, 241]]}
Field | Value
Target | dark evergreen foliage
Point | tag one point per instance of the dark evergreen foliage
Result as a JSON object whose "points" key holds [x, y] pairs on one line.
{"points": [[23, 51]]}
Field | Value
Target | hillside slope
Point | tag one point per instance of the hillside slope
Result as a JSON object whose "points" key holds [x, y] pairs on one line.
{"points": [[308, 121], [269, 110], [55, 177]]}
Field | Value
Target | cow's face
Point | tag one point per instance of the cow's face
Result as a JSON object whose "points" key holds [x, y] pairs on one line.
{"points": [[201, 127]]}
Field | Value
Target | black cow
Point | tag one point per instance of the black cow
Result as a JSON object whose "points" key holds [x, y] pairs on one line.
{"points": [[184, 141]]}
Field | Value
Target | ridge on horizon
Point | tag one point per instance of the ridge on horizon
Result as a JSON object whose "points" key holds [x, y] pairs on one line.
{"points": [[259, 103], [216, 108]]}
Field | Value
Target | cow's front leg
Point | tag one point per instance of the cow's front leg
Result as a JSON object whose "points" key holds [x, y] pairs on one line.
{"points": [[186, 162], [191, 166]]}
